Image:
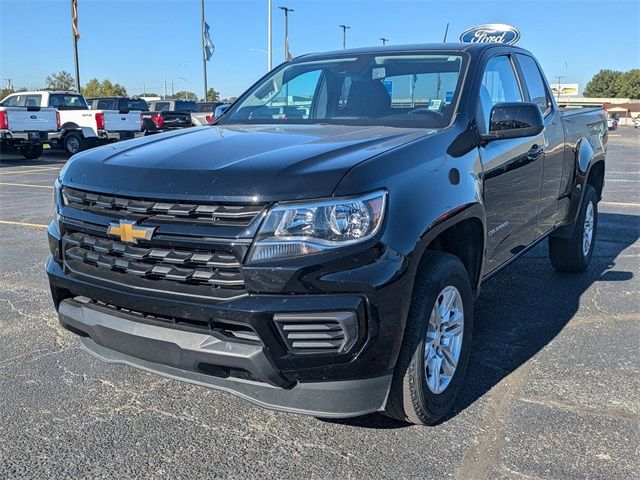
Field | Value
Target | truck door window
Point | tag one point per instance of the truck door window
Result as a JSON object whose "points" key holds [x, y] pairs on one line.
{"points": [[23, 101], [499, 84], [538, 93]]}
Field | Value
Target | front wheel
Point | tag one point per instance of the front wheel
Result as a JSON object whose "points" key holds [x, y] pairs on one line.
{"points": [[574, 254], [437, 341], [31, 152]]}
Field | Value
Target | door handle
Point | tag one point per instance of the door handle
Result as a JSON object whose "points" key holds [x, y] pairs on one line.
{"points": [[535, 152]]}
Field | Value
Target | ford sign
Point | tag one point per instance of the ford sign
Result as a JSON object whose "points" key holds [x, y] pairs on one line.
{"points": [[491, 33]]}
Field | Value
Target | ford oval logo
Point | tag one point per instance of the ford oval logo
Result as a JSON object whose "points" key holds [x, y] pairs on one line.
{"points": [[491, 33], [123, 119], [33, 117]]}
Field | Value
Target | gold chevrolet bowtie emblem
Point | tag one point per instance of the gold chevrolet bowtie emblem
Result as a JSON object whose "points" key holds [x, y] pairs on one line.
{"points": [[129, 232]]}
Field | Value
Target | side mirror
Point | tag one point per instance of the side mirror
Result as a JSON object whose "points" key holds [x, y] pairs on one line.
{"points": [[514, 120], [220, 109]]}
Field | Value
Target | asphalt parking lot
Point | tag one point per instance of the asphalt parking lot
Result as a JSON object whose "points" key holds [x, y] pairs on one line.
{"points": [[553, 389]]}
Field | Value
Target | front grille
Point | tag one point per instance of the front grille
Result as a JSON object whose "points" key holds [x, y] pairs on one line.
{"points": [[157, 211], [199, 272]]}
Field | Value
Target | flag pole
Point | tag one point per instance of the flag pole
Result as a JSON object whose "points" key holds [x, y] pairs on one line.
{"points": [[76, 34], [204, 51]]}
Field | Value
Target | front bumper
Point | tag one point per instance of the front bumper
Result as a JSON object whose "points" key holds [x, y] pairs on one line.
{"points": [[180, 355], [114, 322]]}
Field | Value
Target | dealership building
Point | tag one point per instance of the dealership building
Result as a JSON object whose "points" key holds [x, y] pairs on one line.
{"points": [[622, 109]]}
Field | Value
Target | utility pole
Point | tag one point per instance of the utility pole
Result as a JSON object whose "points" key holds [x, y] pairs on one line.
{"points": [[286, 11], [384, 41], [558, 81], [344, 35], [204, 49], [269, 38]]}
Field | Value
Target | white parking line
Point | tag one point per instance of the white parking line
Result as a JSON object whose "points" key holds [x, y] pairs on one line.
{"points": [[15, 172], [25, 185], [620, 204], [24, 224]]}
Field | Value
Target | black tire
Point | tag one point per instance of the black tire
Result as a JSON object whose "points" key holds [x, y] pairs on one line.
{"points": [[411, 399], [74, 142], [31, 152], [568, 254]]}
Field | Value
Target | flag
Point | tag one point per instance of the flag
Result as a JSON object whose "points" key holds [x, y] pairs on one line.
{"points": [[74, 19], [208, 44], [287, 53]]}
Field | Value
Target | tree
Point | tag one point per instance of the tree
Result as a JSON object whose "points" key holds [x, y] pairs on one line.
{"points": [[60, 81], [182, 95], [628, 84], [94, 88], [603, 84], [212, 95]]}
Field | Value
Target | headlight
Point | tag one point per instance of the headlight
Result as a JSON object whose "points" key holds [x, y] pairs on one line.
{"points": [[55, 211], [303, 228]]}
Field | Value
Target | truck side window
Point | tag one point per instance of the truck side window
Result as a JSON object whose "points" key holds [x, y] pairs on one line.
{"points": [[499, 84], [535, 84], [11, 101]]}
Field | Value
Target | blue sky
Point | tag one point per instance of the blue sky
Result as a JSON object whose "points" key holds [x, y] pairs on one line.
{"points": [[131, 41]]}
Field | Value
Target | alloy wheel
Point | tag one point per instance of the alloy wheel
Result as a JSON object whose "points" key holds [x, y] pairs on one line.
{"points": [[444, 339]]}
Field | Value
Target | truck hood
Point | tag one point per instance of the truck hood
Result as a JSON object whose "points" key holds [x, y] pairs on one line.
{"points": [[243, 163]]}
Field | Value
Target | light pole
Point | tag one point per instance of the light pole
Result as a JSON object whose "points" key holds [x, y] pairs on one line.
{"points": [[344, 35], [269, 37], [165, 76], [286, 11], [384, 41]]}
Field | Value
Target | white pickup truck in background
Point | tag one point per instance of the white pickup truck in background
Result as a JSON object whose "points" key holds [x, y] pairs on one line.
{"points": [[80, 127], [26, 129]]}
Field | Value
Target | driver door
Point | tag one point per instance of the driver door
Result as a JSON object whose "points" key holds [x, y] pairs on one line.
{"points": [[512, 169]]}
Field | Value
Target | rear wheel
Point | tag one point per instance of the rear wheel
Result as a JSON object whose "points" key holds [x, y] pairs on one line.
{"points": [[436, 345], [574, 254], [31, 152], [74, 142]]}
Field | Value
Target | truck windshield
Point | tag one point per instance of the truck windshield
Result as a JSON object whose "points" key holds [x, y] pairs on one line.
{"points": [[397, 90], [68, 101], [186, 106], [133, 104]]}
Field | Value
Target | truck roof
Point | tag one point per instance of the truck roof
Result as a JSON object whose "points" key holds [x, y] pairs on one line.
{"points": [[474, 48], [52, 92]]}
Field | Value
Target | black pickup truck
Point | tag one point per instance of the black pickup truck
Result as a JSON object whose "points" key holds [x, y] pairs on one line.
{"points": [[327, 264], [153, 121], [172, 114]]}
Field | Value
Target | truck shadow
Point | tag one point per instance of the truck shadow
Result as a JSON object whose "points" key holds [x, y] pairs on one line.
{"points": [[12, 158], [524, 307]]}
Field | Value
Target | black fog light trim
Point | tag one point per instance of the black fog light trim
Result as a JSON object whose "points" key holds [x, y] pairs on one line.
{"points": [[318, 332]]}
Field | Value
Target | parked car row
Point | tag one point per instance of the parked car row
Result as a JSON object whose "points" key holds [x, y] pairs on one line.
{"points": [[63, 119]]}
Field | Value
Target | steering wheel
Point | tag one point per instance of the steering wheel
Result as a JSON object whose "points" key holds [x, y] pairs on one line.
{"points": [[426, 111]]}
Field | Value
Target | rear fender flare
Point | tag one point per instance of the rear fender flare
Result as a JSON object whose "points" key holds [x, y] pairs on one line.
{"points": [[586, 158]]}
